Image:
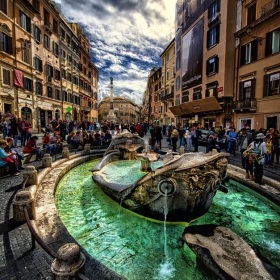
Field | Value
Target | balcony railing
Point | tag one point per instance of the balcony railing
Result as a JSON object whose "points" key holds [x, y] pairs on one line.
{"points": [[185, 99], [170, 96], [249, 104], [270, 6]]}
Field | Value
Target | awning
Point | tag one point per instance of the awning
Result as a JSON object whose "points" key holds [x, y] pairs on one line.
{"points": [[196, 106]]}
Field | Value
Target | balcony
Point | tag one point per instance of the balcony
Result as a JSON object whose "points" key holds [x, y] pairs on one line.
{"points": [[185, 99], [247, 104], [48, 27], [270, 6], [170, 96]]}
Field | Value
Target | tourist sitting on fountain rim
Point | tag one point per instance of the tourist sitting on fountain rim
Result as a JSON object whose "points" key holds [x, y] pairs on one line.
{"points": [[72, 141], [78, 138], [98, 138], [56, 140], [18, 158], [85, 138], [47, 144], [31, 147]]}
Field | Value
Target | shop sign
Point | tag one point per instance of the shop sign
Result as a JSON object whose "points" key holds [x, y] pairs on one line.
{"points": [[220, 89], [197, 107]]}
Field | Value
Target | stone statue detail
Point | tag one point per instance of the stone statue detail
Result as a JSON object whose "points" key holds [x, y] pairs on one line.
{"points": [[111, 79]]}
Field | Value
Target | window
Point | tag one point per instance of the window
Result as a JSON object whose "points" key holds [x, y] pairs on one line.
{"points": [[55, 49], [76, 80], [62, 31], [64, 95], [63, 73], [251, 14], [57, 94], [212, 66], [272, 84], [85, 60], [213, 36], [6, 76], [69, 78], [25, 22], [213, 10], [49, 92], [162, 62], [25, 55], [172, 89], [46, 18], [70, 98], [37, 34], [38, 64], [5, 43], [178, 83], [272, 42], [49, 72], [69, 59], [249, 52], [197, 93], [178, 61], [47, 41], [39, 88], [55, 26], [185, 96], [28, 85], [68, 40], [3, 6], [167, 75], [57, 74], [167, 57], [166, 91], [211, 89], [36, 4], [247, 90]]}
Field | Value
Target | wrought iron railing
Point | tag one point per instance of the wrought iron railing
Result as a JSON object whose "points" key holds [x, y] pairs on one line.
{"points": [[249, 103]]}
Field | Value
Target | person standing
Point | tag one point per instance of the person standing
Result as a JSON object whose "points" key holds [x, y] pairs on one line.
{"points": [[258, 170], [188, 138], [158, 135], [174, 137], [14, 131], [245, 138], [232, 139], [181, 132], [195, 136], [23, 128]]}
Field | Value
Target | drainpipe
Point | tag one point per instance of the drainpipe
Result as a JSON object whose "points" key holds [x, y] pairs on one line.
{"points": [[14, 49]]}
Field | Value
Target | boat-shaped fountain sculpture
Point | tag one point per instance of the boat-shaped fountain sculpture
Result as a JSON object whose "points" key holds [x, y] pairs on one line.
{"points": [[188, 182]]}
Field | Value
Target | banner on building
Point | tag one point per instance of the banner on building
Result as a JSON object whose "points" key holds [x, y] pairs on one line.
{"points": [[192, 55], [18, 78]]}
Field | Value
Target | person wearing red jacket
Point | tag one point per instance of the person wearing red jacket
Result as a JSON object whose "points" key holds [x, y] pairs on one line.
{"points": [[31, 147]]}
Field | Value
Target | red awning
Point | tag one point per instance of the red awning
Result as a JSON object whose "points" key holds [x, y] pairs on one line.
{"points": [[18, 78]]}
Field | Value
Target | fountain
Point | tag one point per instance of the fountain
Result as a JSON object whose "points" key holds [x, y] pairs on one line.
{"points": [[133, 246], [191, 180]]}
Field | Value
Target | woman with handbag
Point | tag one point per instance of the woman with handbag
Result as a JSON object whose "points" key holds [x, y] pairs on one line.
{"points": [[174, 137], [5, 158], [259, 161]]}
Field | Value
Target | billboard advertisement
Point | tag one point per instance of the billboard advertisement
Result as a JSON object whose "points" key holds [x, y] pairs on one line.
{"points": [[192, 56]]}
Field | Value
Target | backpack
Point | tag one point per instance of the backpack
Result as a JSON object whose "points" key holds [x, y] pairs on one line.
{"points": [[255, 154]]}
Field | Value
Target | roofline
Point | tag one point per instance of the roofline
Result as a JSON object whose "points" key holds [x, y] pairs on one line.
{"points": [[173, 40]]}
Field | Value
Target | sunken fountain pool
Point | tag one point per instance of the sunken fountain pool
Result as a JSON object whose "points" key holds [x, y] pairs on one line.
{"points": [[139, 248]]}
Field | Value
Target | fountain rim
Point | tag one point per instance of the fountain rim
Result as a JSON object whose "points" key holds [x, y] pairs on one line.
{"points": [[44, 198]]}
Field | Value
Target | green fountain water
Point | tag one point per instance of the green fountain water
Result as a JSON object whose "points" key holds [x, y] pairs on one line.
{"points": [[134, 246]]}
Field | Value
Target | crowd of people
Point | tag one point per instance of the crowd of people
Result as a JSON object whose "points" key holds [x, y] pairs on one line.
{"points": [[79, 134]]}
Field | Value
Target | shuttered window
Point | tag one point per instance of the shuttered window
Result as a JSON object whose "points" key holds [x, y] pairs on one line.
{"points": [[3, 6], [38, 64], [6, 76], [28, 84], [249, 52], [6, 43], [25, 22], [39, 88]]}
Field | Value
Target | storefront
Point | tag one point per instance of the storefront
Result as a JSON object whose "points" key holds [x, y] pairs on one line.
{"points": [[26, 113]]}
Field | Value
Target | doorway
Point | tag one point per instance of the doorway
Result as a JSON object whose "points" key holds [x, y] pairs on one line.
{"points": [[43, 118], [26, 114], [271, 122]]}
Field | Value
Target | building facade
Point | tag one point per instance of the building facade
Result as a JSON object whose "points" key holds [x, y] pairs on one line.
{"points": [[126, 111], [167, 90], [204, 67], [43, 71], [257, 84]]}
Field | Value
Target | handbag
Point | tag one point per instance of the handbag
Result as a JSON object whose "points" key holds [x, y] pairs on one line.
{"points": [[246, 153], [7, 159]]}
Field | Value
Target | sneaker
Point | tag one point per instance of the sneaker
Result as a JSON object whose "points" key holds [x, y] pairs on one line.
{"points": [[15, 174]]}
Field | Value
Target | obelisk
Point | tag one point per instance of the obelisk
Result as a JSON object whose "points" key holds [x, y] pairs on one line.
{"points": [[111, 116]]}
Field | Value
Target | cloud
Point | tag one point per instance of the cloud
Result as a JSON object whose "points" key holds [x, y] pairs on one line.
{"points": [[127, 37]]}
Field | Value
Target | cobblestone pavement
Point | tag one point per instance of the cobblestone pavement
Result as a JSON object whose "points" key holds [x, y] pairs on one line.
{"points": [[17, 259]]}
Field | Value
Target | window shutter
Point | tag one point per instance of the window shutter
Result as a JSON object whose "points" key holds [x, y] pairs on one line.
{"points": [[218, 6], [268, 44], [208, 39], [217, 64], [9, 45], [253, 88], [51, 71], [240, 91], [24, 83], [254, 50], [31, 84], [58, 75], [218, 34], [1, 41], [265, 85], [28, 24], [243, 52], [40, 65], [207, 67]]}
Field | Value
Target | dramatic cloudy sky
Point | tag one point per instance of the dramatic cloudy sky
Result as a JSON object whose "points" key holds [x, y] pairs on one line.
{"points": [[127, 37]]}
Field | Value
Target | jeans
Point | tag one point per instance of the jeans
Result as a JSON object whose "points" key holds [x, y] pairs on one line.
{"points": [[188, 144], [182, 142], [5, 132], [38, 153], [23, 138], [231, 147], [15, 137], [159, 143], [51, 148]]}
